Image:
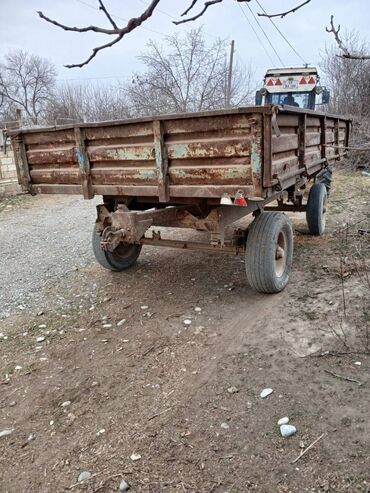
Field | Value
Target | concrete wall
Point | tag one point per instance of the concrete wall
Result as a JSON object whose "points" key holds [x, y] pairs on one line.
{"points": [[7, 165], [8, 174]]}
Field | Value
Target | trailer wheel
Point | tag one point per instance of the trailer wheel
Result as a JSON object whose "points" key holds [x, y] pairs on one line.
{"points": [[123, 257], [325, 177], [316, 209], [269, 252]]}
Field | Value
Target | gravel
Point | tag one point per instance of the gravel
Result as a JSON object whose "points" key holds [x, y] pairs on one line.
{"points": [[43, 239]]}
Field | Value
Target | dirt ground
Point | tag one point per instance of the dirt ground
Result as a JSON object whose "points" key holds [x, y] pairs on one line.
{"points": [[119, 372]]}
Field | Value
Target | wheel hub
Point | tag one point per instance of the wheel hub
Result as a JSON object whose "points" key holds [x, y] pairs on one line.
{"points": [[280, 255]]}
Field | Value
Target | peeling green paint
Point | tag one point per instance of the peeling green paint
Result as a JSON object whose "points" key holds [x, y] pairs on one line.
{"points": [[255, 158], [147, 174], [128, 153], [209, 150], [81, 158], [158, 159]]}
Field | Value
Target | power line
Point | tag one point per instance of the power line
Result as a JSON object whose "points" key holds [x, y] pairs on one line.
{"points": [[282, 35], [257, 36], [269, 42]]}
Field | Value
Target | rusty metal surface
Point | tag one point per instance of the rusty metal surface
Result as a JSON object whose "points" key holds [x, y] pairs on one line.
{"points": [[308, 141], [193, 245], [174, 157]]}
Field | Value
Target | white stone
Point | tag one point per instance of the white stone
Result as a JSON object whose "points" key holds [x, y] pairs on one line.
{"points": [[100, 432], [358, 363], [187, 321], [123, 486], [283, 421], [40, 339], [107, 326], [84, 475], [144, 307], [287, 430], [232, 390], [18, 367], [135, 457], [225, 426], [5, 433], [198, 309], [65, 403], [121, 322], [265, 393]]}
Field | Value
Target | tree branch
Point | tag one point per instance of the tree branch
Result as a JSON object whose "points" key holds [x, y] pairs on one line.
{"points": [[206, 6], [119, 32], [95, 51], [109, 17], [283, 14], [341, 45], [95, 29], [189, 8]]}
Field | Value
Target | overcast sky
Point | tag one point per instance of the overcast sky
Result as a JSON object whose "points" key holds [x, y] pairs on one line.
{"points": [[20, 27]]}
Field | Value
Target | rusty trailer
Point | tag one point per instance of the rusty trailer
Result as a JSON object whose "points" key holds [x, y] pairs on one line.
{"points": [[204, 171]]}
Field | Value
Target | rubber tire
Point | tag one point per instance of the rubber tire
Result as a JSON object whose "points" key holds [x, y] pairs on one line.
{"points": [[109, 260], [316, 208], [325, 177], [260, 253]]}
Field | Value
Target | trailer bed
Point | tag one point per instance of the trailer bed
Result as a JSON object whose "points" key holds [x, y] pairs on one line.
{"points": [[177, 158]]}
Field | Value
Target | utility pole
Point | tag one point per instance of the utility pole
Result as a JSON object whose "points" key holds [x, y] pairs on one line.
{"points": [[230, 75]]}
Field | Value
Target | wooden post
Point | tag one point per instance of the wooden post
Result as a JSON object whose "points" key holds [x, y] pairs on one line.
{"points": [[20, 156], [230, 75]]}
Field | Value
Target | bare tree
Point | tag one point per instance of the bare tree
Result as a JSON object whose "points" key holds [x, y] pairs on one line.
{"points": [[119, 32], [342, 45], [348, 78], [187, 75], [27, 83], [85, 102]]}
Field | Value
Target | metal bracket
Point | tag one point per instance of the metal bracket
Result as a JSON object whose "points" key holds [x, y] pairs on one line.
{"points": [[161, 161], [83, 163], [302, 121], [274, 123]]}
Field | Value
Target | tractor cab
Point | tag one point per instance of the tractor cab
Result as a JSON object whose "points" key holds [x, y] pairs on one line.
{"points": [[298, 87]]}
